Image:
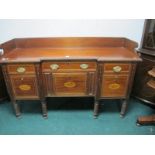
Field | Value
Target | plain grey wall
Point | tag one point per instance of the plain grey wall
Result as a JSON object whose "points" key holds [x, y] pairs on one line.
{"points": [[13, 28]]}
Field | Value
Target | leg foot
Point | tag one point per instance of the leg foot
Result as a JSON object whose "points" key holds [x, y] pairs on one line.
{"points": [[44, 109], [17, 109], [95, 117], [137, 123], [123, 108], [121, 116], [96, 109]]}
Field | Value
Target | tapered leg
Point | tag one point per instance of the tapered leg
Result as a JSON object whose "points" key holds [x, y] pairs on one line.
{"points": [[44, 108], [96, 108], [16, 108], [124, 107]]}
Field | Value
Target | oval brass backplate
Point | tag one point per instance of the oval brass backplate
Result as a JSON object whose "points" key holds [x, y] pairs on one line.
{"points": [[54, 66], [69, 84], [21, 69], [117, 69], [114, 86], [84, 66], [24, 87]]}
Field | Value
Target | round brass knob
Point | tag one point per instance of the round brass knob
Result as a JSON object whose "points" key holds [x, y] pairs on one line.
{"points": [[21, 69], [54, 66], [84, 66], [117, 69]]}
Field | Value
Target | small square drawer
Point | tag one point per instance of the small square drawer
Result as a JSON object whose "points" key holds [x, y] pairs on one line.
{"points": [[21, 69], [117, 67], [60, 66]]}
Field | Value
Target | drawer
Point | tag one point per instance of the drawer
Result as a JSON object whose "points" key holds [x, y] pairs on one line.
{"points": [[71, 84], [24, 86], [116, 67], [21, 69], [60, 66], [114, 86]]}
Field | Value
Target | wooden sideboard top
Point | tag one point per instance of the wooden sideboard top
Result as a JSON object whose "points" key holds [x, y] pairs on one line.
{"points": [[38, 49]]}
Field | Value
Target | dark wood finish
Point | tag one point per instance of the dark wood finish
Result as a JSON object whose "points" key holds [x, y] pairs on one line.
{"points": [[114, 86], [142, 89], [146, 120], [144, 83], [10, 90], [36, 68], [74, 42], [68, 84], [69, 66], [9, 45], [144, 79], [108, 67], [3, 92], [130, 84], [24, 87], [13, 68]]}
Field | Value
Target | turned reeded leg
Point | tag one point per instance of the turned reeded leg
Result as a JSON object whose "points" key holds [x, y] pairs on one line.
{"points": [[16, 108], [96, 108], [124, 107], [44, 108]]}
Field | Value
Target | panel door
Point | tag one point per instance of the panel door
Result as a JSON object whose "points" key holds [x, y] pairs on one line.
{"points": [[24, 87], [70, 84], [114, 86]]}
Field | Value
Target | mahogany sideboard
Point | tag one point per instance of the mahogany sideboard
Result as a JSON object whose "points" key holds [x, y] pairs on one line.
{"points": [[36, 68]]}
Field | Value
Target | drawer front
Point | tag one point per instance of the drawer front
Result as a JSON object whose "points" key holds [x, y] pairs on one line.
{"points": [[116, 67], [24, 86], [114, 86], [21, 69], [60, 66], [70, 84]]}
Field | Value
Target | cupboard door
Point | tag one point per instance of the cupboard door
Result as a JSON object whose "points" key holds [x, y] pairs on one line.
{"points": [[24, 87], [70, 84], [114, 86]]}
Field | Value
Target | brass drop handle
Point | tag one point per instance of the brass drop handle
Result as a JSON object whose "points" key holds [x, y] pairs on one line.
{"points": [[21, 69], [84, 66], [54, 66], [117, 69]]}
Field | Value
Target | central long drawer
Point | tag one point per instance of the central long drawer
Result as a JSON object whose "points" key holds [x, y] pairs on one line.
{"points": [[68, 65]]}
